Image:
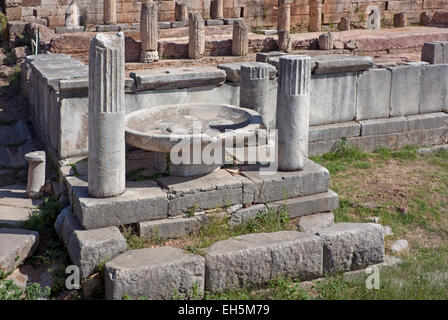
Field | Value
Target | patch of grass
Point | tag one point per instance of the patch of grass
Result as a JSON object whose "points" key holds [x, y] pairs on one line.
{"points": [[44, 218], [137, 175], [10, 291], [14, 79]]}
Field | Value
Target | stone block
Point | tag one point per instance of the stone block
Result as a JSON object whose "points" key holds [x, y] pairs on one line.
{"points": [[264, 56], [338, 63], [307, 205], [433, 88], [89, 248], [263, 187], [435, 52], [217, 189], [164, 25], [179, 24], [15, 246], [314, 222], [373, 94], [177, 78], [405, 91], [154, 273], [168, 228], [246, 214], [334, 131], [352, 246], [214, 22], [428, 121], [256, 258], [142, 201], [384, 126], [14, 216], [333, 98], [233, 70]]}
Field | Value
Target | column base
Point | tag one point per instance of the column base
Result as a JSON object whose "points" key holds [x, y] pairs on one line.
{"points": [[149, 56]]}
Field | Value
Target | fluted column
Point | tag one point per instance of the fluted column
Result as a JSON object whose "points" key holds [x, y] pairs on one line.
{"points": [[106, 160], [293, 112], [196, 45], [149, 32], [240, 41]]}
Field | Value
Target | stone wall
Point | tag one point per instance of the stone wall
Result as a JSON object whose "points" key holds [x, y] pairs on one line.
{"points": [[56, 87], [257, 12]]}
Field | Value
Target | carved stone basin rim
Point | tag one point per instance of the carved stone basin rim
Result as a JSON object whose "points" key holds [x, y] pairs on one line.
{"points": [[161, 128]]}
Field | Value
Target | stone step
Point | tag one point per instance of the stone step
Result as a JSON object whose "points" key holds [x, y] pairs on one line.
{"points": [[318, 221], [88, 248], [351, 246], [257, 258], [15, 246], [13, 216], [154, 273]]}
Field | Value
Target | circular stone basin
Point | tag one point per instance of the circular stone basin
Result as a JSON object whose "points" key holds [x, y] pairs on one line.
{"points": [[160, 128]]}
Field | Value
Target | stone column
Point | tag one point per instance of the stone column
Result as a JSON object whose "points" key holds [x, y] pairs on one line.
{"points": [[315, 23], [254, 91], [217, 9], [326, 41], [400, 20], [344, 24], [181, 12], [36, 173], [293, 112], [196, 45], [72, 15], [284, 41], [284, 15], [149, 32], [106, 116], [110, 11], [240, 41]]}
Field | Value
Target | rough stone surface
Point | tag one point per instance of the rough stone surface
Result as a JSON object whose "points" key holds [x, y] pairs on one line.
{"points": [[307, 205], [338, 63], [405, 91], [177, 78], [107, 173], [399, 246], [196, 46], [169, 228], [233, 70], [400, 20], [424, 19], [352, 246], [256, 258], [373, 94], [344, 24], [247, 214], [142, 201], [154, 273], [314, 222], [15, 246], [293, 112], [89, 248]]}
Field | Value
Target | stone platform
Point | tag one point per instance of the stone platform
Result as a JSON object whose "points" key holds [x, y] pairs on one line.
{"points": [[303, 192]]}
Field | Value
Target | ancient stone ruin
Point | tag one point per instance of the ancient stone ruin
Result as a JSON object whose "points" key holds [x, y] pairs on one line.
{"points": [[158, 116]]}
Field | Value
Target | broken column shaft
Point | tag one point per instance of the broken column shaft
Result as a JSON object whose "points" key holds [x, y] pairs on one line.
{"points": [[293, 112], [36, 173], [240, 41], [149, 32], [106, 160], [110, 11], [196, 45]]}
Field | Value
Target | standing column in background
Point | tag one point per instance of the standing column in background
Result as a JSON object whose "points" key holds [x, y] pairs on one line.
{"points": [[106, 162], [217, 9], [149, 33], [181, 12], [240, 41], [315, 23], [110, 11], [196, 45], [293, 112], [284, 16]]}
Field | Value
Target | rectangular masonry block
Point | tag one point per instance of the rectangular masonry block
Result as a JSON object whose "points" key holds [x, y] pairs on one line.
{"points": [[334, 131], [142, 201], [405, 91], [256, 258], [168, 228], [352, 246], [307, 205], [435, 52], [154, 273], [333, 98], [340, 63], [433, 88], [278, 186], [373, 94], [233, 70], [217, 189], [15, 246]]}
